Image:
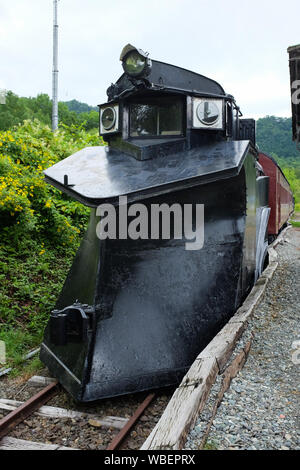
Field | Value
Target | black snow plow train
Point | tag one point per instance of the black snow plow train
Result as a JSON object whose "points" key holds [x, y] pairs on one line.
{"points": [[134, 313]]}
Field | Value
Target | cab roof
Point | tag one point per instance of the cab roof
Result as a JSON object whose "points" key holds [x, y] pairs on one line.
{"points": [[167, 77]]}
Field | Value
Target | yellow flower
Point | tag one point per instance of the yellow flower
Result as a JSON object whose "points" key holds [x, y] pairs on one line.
{"points": [[48, 204], [42, 252]]}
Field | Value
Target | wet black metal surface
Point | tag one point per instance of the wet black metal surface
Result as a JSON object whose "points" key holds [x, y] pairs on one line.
{"points": [[156, 304], [99, 176]]}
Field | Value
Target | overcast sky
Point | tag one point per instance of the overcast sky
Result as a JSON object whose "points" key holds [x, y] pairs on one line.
{"points": [[239, 43]]}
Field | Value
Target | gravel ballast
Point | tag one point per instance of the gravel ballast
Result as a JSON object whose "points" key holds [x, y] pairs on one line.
{"points": [[260, 410]]}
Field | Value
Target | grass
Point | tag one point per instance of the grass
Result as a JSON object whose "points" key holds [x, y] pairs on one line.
{"points": [[18, 343], [210, 445], [295, 223], [28, 368], [296, 215], [29, 286]]}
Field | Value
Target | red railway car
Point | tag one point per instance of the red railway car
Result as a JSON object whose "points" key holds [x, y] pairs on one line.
{"points": [[281, 199]]}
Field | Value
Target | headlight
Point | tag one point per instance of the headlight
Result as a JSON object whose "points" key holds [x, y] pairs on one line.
{"points": [[134, 63], [108, 118], [208, 113]]}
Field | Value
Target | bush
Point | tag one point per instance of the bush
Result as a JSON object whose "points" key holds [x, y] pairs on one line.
{"points": [[40, 228], [30, 208]]}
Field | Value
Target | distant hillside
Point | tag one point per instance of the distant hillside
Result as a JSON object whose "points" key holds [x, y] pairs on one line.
{"points": [[274, 135], [16, 109], [79, 107]]}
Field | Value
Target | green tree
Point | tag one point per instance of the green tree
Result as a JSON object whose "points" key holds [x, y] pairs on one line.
{"points": [[72, 113], [79, 107], [12, 112], [274, 135]]}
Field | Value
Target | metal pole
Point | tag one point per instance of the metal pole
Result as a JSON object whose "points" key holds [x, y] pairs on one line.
{"points": [[55, 71]]}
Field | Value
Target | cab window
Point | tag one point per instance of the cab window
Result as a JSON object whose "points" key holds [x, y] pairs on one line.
{"points": [[156, 117]]}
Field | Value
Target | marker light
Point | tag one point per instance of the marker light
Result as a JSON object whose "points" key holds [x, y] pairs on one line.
{"points": [[208, 113], [108, 118]]}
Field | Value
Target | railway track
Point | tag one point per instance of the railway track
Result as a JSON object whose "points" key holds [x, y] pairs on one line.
{"points": [[30, 424]]}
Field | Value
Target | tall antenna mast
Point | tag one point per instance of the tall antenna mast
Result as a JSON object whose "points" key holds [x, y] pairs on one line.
{"points": [[55, 71]]}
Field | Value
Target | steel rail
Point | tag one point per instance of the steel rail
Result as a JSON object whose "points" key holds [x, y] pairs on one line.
{"points": [[27, 408], [115, 443]]}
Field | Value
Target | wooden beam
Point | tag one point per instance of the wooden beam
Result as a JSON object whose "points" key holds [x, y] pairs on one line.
{"points": [[230, 372], [11, 443], [55, 412]]}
